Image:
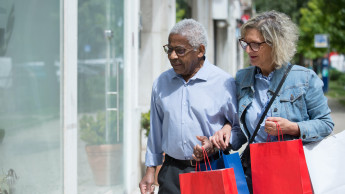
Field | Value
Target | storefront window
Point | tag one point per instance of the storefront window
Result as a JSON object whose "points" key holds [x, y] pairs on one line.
{"points": [[30, 129], [100, 96]]}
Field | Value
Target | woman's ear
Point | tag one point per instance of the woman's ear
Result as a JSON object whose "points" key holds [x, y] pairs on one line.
{"points": [[201, 51]]}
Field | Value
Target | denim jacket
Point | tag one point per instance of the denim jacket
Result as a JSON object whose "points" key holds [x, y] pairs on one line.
{"points": [[300, 100]]}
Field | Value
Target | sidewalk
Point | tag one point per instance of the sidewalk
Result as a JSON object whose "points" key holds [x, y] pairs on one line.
{"points": [[337, 114]]}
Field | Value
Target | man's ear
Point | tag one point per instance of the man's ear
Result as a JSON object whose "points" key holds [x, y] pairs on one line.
{"points": [[201, 51]]}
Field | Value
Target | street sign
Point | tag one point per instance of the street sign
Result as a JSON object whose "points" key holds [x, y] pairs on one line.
{"points": [[321, 40]]}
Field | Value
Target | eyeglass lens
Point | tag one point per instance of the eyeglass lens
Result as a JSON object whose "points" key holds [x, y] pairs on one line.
{"points": [[254, 46], [178, 50]]}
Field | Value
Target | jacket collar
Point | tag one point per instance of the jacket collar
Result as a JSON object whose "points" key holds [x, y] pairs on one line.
{"points": [[248, 80], [250, 75], [278, 75]]}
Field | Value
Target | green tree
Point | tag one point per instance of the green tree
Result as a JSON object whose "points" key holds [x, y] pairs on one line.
{"points": [[322, 17], [289, 7], [183, 10]]}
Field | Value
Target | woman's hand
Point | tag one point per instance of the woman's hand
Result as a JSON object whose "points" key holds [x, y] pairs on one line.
{"points": [[206, 144], [221, 138], [287, 127]]}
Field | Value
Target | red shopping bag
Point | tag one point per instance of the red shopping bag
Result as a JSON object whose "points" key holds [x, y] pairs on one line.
{"points": [[220, 181], [279, 167]]}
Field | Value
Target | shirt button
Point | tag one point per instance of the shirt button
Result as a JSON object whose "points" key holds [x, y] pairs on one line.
{"points": [[275, 110], [303, 136], [184, 142], [291, 97]]}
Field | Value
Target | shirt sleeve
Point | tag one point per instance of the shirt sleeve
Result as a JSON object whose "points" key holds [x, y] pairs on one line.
{"points": [[320, 123], [237, 138], [154, 152]]}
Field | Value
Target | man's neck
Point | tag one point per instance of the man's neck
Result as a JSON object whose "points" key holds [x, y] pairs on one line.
{"points": [[195, 71]]}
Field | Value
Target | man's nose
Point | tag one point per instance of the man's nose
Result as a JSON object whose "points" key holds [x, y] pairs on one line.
{"points": [[173, 55]]}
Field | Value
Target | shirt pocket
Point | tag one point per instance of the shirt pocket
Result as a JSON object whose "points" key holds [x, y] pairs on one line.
{"points": [[293, 104]]}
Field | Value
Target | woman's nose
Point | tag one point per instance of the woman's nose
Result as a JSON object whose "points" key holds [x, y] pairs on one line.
{"points": [[248, 49]]}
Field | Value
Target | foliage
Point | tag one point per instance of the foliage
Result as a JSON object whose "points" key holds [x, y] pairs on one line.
{"points": [[2, 134], [337, 91], [8, 32], [183, 10], [289, 7], [334, 74], [313, 17], [94, 18], [145, 122], [91, 92], [337, 85], [7, 182], [93, 131], [341, 81], [322, 17]]}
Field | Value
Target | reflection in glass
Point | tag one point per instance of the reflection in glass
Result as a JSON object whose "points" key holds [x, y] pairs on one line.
{"points": [[30, 96], [100, 96]]}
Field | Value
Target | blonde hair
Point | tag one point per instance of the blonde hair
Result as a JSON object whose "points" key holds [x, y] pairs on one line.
{"points": [[278, 31]]}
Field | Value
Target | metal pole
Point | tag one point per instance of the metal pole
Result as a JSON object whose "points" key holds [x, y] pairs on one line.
{"points": [[108, 35]]}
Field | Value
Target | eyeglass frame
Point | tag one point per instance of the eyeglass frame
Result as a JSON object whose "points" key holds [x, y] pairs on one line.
{"points": [[166, 50], [249, 44]]}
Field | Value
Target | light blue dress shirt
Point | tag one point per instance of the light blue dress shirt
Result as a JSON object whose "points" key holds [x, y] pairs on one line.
{"points": [[182, 110], [258, 106]]}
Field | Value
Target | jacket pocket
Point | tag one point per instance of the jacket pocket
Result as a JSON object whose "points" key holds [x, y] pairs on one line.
{"points": [[291, 95], [293, 105]]}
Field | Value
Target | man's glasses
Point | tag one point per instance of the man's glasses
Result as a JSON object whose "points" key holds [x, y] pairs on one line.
{"points": [[255, 46], [180, 51]]}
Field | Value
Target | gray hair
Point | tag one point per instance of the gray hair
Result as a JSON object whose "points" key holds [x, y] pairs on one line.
{"points": [[278, 31], [194, 32]]}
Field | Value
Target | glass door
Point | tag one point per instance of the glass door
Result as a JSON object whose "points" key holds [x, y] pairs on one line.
{"points": [[100, 96], [30, 130]]}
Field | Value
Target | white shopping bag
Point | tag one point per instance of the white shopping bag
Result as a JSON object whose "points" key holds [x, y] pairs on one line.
{"points": [[326, 164]]}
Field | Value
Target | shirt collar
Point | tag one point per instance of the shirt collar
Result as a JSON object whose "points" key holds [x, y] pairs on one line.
{"points": [[260, 76]]}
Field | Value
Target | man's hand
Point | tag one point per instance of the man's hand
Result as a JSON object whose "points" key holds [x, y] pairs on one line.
{"points": [[221, 138], [146, 184], [206, 144]]}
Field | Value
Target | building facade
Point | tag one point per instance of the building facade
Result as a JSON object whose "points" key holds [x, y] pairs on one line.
{"points": [[75, 77]]}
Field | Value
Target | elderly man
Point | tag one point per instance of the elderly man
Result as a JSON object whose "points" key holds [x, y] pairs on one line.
{"points": [[193, 99]]}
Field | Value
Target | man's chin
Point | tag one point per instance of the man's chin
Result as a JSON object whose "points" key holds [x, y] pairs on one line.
{"points": [[177, 70]]}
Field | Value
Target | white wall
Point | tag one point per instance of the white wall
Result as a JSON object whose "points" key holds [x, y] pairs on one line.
{"points": [[222, 38], [157, 19], [131, 112], [69, 94], [148, 25], [202, 12]]}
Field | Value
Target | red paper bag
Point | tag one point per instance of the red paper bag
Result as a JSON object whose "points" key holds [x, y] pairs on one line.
{"points": [[208, 182], [220, 181], [279, 167]]}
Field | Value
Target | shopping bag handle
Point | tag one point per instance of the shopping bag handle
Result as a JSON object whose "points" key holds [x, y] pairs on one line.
{"points": [[205, 156], [280, 133]]}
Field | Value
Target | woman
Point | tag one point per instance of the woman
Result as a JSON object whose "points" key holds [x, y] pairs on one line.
{"points": [[300, 108]]}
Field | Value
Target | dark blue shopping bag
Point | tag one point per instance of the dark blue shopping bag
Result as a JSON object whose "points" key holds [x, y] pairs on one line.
{"points": [[230, 161]]}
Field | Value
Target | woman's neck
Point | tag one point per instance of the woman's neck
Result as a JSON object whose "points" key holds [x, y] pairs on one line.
{"points": [[268, 70]]}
